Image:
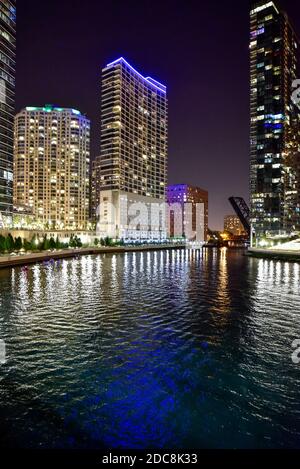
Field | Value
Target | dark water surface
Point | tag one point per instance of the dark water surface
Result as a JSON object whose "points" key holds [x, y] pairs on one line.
{"points": [[177, 349]]}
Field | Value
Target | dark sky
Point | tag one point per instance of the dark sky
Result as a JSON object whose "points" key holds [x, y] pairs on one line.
{"points": [[199, 49]]}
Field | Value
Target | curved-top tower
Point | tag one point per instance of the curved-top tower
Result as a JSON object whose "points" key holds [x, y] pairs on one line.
{"points": [[134, 141]]}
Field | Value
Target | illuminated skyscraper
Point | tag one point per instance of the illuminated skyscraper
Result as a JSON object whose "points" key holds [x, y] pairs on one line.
{"points": [[188, 197], [51, 166], [134, 140], [7, 104], [274, 48], [95, 188]]}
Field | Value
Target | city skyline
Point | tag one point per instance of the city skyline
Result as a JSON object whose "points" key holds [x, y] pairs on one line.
{"points": [[140, 321], [200, 133], [134, 151]]}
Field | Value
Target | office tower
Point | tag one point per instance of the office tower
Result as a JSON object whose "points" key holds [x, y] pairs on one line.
{"points": [[95, 188], [274, 49], [183, 194], [51, 166], [133, 161], [7, 105], [233, 224]]}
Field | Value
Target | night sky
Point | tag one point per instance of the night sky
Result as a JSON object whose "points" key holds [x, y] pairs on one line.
{"points": [[198, 49]]}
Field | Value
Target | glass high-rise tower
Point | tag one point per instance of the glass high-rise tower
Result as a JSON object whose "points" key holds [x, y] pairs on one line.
{"points": [[134, 145], [274, 49], [7, 104]]}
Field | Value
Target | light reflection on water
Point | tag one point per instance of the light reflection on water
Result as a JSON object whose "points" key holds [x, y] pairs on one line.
{"points": [[156, 349]]}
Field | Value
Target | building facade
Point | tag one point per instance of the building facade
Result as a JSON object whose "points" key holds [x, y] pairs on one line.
{"points": [[188, 212], [233, 224], [134, 154], [274, 180], [7, 105], [51, 166]]}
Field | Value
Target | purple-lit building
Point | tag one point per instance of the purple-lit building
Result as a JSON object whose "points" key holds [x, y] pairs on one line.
{"points": [[181, 194], [7, 105]]}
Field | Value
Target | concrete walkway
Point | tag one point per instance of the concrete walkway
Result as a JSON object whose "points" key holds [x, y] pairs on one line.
{"points": [[276, 254]]}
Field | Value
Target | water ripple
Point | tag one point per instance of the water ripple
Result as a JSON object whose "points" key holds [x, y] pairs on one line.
{"points": [[174, 349]]}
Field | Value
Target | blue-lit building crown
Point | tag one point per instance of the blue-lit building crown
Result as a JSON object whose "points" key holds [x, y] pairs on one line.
{"points": [[156, 84]]}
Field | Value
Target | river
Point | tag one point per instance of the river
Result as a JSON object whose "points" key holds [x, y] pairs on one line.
{"points": [[165, 349]]}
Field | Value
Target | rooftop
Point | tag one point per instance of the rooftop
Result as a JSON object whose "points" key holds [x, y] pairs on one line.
{"points": [[154, 83]]}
